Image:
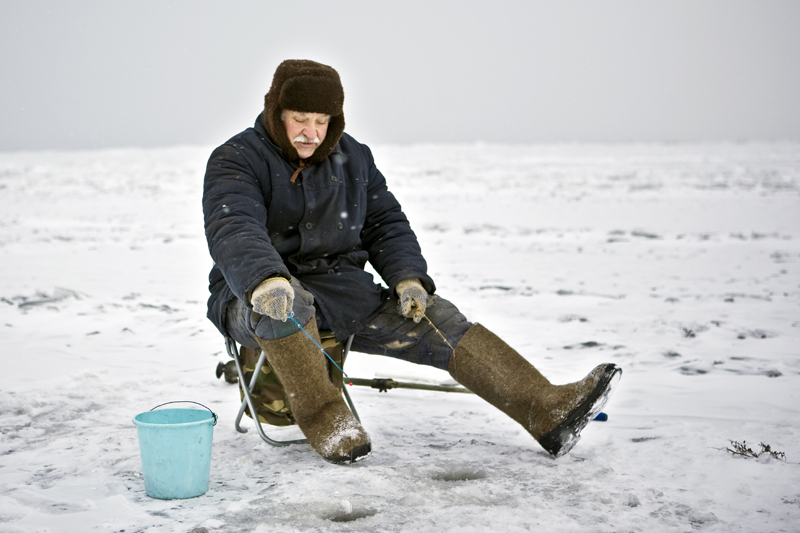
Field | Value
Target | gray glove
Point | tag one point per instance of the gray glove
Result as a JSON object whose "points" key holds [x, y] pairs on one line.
{"points": [[273, 297], [412, 299]]}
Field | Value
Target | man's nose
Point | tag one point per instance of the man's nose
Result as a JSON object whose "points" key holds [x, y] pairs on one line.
{"points": [[310, 132]]}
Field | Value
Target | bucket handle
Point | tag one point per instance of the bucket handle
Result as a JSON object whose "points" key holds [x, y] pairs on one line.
{"points": [[189, 401]]}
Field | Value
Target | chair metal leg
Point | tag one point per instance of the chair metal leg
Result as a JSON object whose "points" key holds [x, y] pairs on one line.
{"points": [[350, 403], [345, 352], [249, 393]]}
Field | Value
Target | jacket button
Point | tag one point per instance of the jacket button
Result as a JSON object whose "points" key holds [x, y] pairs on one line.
{"points": [[309, 225], [340, 225], [334, 178]]}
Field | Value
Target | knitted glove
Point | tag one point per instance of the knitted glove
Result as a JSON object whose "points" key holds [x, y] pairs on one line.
{"points": [[273, 297], [412, 299]]}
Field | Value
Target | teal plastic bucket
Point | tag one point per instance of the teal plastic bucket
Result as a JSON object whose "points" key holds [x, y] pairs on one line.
{"points": [[175, 446]]}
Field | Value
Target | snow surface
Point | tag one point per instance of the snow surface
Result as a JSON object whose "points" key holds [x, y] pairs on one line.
{"points": [[678, 262]]}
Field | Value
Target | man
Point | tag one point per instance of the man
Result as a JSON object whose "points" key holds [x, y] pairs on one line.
{"points": [[294, 208]]}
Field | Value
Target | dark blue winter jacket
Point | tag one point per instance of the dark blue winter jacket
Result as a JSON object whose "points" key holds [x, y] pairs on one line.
{"points": [[322, 229]]}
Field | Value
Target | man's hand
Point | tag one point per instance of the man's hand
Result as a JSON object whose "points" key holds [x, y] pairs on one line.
{"points": [[412, 299], [273, 297]]}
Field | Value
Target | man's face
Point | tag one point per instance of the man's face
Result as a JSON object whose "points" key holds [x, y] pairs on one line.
{"points": [[306, 131]]}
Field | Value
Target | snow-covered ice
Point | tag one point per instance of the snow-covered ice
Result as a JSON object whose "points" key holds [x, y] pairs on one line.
{"points": [[679, 262]]}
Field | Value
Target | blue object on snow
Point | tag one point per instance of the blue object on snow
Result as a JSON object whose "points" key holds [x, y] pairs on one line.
{"points": [[175, 447], [601, 417]]}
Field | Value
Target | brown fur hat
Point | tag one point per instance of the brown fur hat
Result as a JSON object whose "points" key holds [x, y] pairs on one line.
{"points": [[310, 87]]}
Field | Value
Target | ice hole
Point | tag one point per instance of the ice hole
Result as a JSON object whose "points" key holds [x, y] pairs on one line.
{"points": [[355, 514], [459, 474]]}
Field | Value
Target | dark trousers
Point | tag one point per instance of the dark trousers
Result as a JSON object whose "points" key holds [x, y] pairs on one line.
{"points": [[387, 332]]}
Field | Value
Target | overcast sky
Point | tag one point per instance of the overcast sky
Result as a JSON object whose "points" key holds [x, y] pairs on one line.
{"points": [[92, 74]]}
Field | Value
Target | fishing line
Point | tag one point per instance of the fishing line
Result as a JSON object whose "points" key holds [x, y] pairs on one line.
{"points": [[291, 315]]}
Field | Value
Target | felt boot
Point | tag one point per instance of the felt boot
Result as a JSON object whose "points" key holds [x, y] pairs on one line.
{"points": [[553, 414], [317, 405]]}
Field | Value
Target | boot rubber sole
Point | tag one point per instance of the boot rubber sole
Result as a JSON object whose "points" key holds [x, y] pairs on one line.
{"points": [[356, 454], [566, 435]]}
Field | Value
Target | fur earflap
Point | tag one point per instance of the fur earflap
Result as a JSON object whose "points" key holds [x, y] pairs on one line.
{"points": [[310, 87]]}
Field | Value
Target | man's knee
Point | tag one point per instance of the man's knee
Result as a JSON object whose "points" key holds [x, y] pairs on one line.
{"points": [[389, 333], [244, 324], [447, 319]]}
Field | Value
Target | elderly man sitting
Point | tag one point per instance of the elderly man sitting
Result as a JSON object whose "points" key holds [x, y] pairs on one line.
{"points": [[294, 208]]}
